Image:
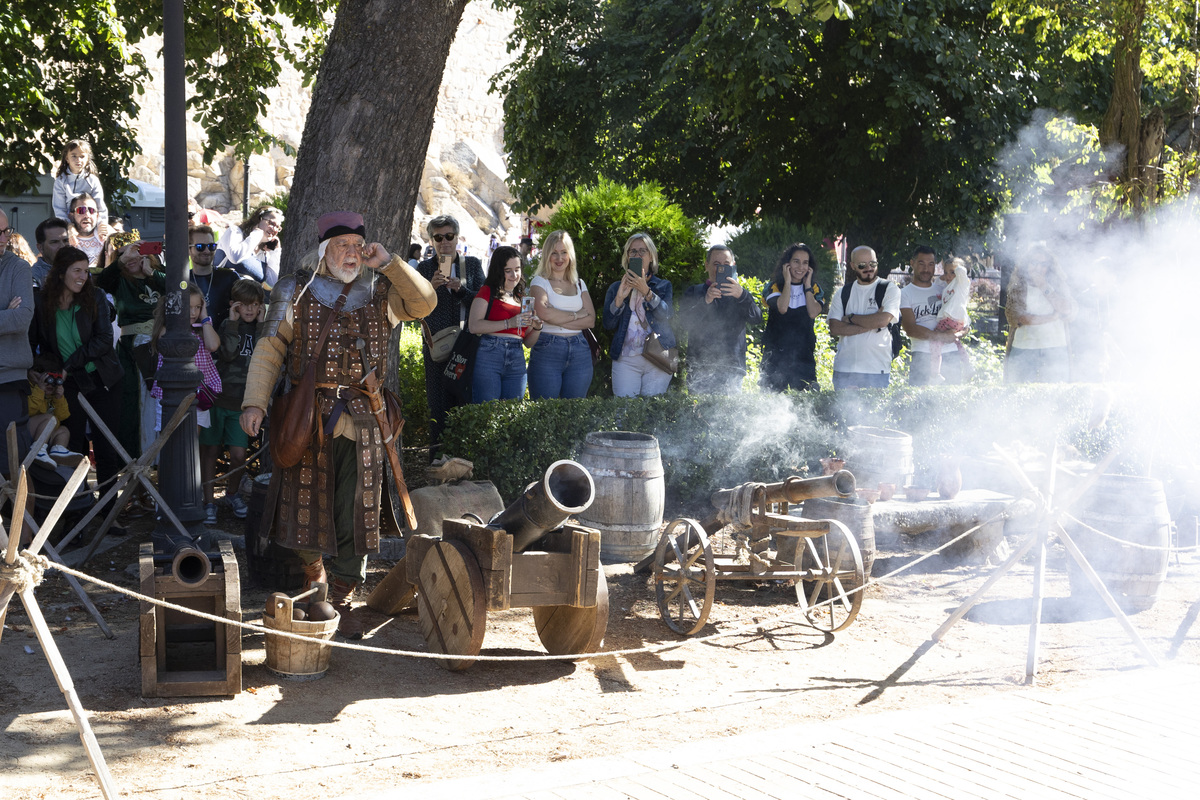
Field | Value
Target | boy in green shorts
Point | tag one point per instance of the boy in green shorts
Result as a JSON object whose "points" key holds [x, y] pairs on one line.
{"points": [[238, 334]]}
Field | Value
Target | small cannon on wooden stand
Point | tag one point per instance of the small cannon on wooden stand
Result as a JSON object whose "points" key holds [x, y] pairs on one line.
{"points": [[476, 568], [821, 556]]}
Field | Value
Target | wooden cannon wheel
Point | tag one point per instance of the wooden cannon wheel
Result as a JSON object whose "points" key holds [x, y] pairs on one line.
{"points": [[685, 576], [451, 603], [567, 629], [838, 569]]}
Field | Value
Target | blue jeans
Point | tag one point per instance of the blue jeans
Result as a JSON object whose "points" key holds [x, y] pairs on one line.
{"points": [[861, 380], [1037, 365], [560, 366], [499, 370]]}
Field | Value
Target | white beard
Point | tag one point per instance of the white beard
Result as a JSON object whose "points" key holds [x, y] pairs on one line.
{"points": [[343, 274]]}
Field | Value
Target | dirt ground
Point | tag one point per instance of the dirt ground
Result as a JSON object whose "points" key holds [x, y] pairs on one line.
{"points": [[376, 723]]}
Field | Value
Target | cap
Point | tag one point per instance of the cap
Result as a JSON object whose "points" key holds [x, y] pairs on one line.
{"points": [[339, 223]]}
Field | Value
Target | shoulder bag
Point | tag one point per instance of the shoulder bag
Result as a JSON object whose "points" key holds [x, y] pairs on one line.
{"points": [[460, 363], [294, 413], [665, 358], [440, 344], [589, 336]]}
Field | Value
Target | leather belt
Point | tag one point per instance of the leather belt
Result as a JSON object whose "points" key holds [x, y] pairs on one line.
{"points": [[342, 395]]}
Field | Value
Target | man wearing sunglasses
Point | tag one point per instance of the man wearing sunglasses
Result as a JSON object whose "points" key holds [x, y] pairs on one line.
{"points": [[215, 282], [455, 278], [90, 232]]}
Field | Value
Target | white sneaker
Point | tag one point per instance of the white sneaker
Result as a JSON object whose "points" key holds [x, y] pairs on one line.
{"points": [[64, 456], [45, 458]]}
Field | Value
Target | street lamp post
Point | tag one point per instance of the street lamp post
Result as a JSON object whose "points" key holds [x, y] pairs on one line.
{"points": [[179, 460]]}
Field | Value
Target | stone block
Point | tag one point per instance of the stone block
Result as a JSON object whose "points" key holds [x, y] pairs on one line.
{"points": [[262, 176]]}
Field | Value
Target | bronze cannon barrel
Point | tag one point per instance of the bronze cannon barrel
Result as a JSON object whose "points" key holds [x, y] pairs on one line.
{"points": [[796, 490]]}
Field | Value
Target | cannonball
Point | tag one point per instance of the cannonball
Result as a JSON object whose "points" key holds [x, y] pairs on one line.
{"points": [[298, 612], [321, 611]]}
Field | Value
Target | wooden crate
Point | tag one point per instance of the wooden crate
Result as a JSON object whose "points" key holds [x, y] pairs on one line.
{"points": [[186, 656]]}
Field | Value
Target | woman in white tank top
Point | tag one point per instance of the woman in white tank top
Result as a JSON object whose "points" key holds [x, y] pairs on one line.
{"points": [[560, 364]]}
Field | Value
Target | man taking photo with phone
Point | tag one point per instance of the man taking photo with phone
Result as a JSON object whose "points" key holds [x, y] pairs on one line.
{"points": [[715, 314]]}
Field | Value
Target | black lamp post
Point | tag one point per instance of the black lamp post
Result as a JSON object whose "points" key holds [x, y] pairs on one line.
{"points": [[179, 460]]}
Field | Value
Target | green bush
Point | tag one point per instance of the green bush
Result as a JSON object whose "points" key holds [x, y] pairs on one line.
{"points": [[759, 246], [410, 367], [710, 442]]}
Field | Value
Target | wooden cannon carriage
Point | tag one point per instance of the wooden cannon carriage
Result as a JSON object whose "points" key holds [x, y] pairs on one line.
{"points": [[820, 556], [516, 561]]}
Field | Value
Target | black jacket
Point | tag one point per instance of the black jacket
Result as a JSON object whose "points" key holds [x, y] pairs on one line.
{"points": [[96, 333]]}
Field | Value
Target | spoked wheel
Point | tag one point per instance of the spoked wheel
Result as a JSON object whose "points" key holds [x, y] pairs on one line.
{"points": [[829, 600], [685, 576], [450, 602]]}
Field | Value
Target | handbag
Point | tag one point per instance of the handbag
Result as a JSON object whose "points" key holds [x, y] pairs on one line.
{"points": [[460, 364], [593, 344], [665, 358], [294, 413], [440, 344]]}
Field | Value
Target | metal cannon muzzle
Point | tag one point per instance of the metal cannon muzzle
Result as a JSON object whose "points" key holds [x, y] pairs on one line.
{"points": [[565, 489]]}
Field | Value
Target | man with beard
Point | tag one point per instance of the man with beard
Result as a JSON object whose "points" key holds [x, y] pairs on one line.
{"points": [[51, 235], [920, 303], [214, 282], [454, 292], [90, 232], [859, 315], [329, 501]]}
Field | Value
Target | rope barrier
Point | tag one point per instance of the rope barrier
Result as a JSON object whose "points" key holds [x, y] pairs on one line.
{"points": [[26, 572], [1126, 542], [646, 649]]}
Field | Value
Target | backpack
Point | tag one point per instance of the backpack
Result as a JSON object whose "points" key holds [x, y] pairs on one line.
{"points": [[893, 328]]}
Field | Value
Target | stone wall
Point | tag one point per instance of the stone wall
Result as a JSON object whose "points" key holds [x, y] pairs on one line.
{"points": [[465, 173]]}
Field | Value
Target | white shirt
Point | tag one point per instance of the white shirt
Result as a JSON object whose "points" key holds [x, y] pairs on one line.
{"points": [[1047, 334], [925, 305], [562, 302], [869, 352]]}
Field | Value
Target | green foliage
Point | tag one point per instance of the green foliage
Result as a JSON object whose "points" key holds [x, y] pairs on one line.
{"points": [[759, 247], [710, 442], [601, 217], [411, 368], [72, 71], [883, 127]]}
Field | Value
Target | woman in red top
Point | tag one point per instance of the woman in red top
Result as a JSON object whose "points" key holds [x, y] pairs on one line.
{"points": [[502, 330]]}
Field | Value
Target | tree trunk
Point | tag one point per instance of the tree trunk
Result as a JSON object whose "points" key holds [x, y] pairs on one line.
{"points": [[1123, 119], [1150, 149], [368, 127]]}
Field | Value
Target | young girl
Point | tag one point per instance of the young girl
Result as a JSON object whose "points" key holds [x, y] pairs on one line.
{"points": [[953, 315], [502, 327], [202, 327], [77, 175]]}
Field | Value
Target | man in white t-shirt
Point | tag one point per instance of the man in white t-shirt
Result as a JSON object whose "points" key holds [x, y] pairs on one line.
{"points": [[920, 303], [864, 354]]}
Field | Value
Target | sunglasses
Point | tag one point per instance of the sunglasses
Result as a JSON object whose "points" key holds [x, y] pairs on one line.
{"points": [[200, 248], [444, 237], [81, 210], [7, 231]]}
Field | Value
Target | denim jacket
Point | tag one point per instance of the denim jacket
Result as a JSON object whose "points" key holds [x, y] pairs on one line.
{"points": [[659, 317]]}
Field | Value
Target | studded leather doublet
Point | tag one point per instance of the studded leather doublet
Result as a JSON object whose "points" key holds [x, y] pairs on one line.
{"points": [[305, 518]]}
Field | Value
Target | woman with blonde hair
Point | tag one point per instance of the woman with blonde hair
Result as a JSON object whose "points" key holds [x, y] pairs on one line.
{"points": [[560, 364], [634, 307]]}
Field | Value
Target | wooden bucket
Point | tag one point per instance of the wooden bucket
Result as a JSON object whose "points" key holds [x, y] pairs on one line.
{"points": [[291, 658], [1132, 509], [854, 513], [879, 455], [630, 493]]}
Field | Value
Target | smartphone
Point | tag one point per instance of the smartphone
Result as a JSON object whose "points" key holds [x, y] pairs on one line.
{"points": [[725, 273], [150, 248], [635, 267], [444, 263], [527, 304]]}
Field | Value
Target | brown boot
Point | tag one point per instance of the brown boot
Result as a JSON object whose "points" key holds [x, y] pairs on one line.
{"points": [[314, 573], [349, 625]]}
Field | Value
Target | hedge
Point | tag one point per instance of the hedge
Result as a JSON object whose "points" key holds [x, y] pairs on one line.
{"points": [[709, 442]]}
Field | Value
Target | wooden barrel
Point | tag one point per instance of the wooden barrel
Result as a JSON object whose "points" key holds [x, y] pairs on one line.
{"points": [[852, 512], [879, 455], [1134, 510], [294, 659], [273, 567], [630, 493]]}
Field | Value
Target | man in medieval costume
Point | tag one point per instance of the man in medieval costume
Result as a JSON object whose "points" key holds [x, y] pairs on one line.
{"points": [[338, 319]]}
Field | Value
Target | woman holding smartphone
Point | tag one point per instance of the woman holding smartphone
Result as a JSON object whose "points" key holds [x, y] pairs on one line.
{"points": [[793, 301], [502, 325], [634, 307], [560, 364]]}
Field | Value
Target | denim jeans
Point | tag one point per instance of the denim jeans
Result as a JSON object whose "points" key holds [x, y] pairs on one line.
{"points": [[560, 366], [499, 370], [1037, 365], [860, 380]]}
